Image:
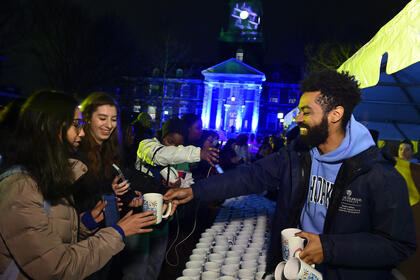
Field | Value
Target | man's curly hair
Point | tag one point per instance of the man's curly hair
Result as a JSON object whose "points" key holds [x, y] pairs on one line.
{"points": [[337, 89]]}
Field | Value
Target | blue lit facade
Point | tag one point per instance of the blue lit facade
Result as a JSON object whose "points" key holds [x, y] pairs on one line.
{"points": [[231, 94]]}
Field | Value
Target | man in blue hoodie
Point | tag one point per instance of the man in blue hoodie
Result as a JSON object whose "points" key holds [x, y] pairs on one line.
{"points": [[333, 183]]}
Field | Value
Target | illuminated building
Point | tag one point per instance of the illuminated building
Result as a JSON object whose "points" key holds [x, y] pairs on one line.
{"points": [[232, 94]]}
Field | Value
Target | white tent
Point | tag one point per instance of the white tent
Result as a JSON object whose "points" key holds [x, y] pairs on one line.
{"points": [[388, 70]]}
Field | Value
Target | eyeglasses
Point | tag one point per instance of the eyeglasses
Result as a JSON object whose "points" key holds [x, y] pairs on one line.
{"points": [[78, 124]]}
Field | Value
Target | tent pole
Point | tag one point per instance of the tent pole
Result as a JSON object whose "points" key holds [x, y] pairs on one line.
{"points": [[409, 97], [399, 130]]}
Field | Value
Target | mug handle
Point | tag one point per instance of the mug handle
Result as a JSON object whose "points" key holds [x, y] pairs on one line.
{"points": [[297, 253], [168, 211]]}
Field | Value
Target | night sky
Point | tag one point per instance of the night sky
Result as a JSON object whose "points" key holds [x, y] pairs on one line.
{"points": [[286, 24], [287, 28]]}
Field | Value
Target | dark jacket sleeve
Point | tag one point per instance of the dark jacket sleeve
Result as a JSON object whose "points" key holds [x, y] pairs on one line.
{"points": [[261, 175], [392, 236]]}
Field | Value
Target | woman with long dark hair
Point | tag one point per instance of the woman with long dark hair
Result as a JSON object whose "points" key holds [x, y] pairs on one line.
{"points": [[39, 226], [100, 148]]}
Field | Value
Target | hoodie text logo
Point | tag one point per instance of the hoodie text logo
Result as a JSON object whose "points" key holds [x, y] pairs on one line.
{"points": [[320, 190]]}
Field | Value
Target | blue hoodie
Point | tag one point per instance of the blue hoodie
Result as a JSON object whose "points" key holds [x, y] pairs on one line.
{"points": [[324, 171]]}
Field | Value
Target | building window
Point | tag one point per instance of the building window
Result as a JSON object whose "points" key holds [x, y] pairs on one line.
{"points": [[273, 96], [170, 90], [293, 96], [186, 91], [154, 90], [271, 123], [182, 110]]}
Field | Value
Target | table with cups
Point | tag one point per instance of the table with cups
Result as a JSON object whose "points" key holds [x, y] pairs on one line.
{"points": [[235, 246]]}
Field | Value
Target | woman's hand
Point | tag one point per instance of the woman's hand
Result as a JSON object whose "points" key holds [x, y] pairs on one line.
{"points": [[137, 201], [211, 155], [97, 212], [134, 224], [120, 188]]}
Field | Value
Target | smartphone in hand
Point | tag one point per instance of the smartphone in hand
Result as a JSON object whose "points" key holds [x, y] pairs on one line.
{"points": [[119, 171], [128, 196], [218, 168], [112, 216]]}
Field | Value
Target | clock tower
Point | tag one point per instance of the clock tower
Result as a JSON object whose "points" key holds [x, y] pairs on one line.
{"points": [[243, 37]]}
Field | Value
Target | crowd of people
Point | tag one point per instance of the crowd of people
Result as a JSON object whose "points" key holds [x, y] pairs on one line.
{"points": [[56, 166]]}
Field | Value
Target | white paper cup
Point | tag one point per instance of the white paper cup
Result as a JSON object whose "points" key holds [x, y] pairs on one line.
{"points": [[192, 272], [226, 277], [258, 240], [244, 234], [246, 273], [195, 257], [250, 264], [261, 267], [216, 258], [220, 237], [290, 242], [232, 260], [184, 278], [207, 240], [269, 277], [230, 269], [236, 223], [200, 251], [233, 254], [253, 251], [232, 227], [212, 266], [259, 275], [209, 231], [210, 275], [194, 264], [218, 226], [242, 241], [220, 249], [204, 246], [259, 233], [224, 243], [250, 257], [239, 249], [296, 269]]}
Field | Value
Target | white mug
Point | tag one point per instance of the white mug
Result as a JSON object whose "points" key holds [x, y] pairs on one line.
{"points": [[278, 273], [291, 243], [297, 269], [210, 275], [154, 201]]}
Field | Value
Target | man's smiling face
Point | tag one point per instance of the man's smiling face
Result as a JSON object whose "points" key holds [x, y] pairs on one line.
{"points": [[312, 120]]}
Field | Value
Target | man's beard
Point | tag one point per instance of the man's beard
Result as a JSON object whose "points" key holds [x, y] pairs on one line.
{"points": [[315, 135]]}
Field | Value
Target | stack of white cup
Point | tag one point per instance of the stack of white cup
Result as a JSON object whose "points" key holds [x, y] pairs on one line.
{"points": [[235, 246]]}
